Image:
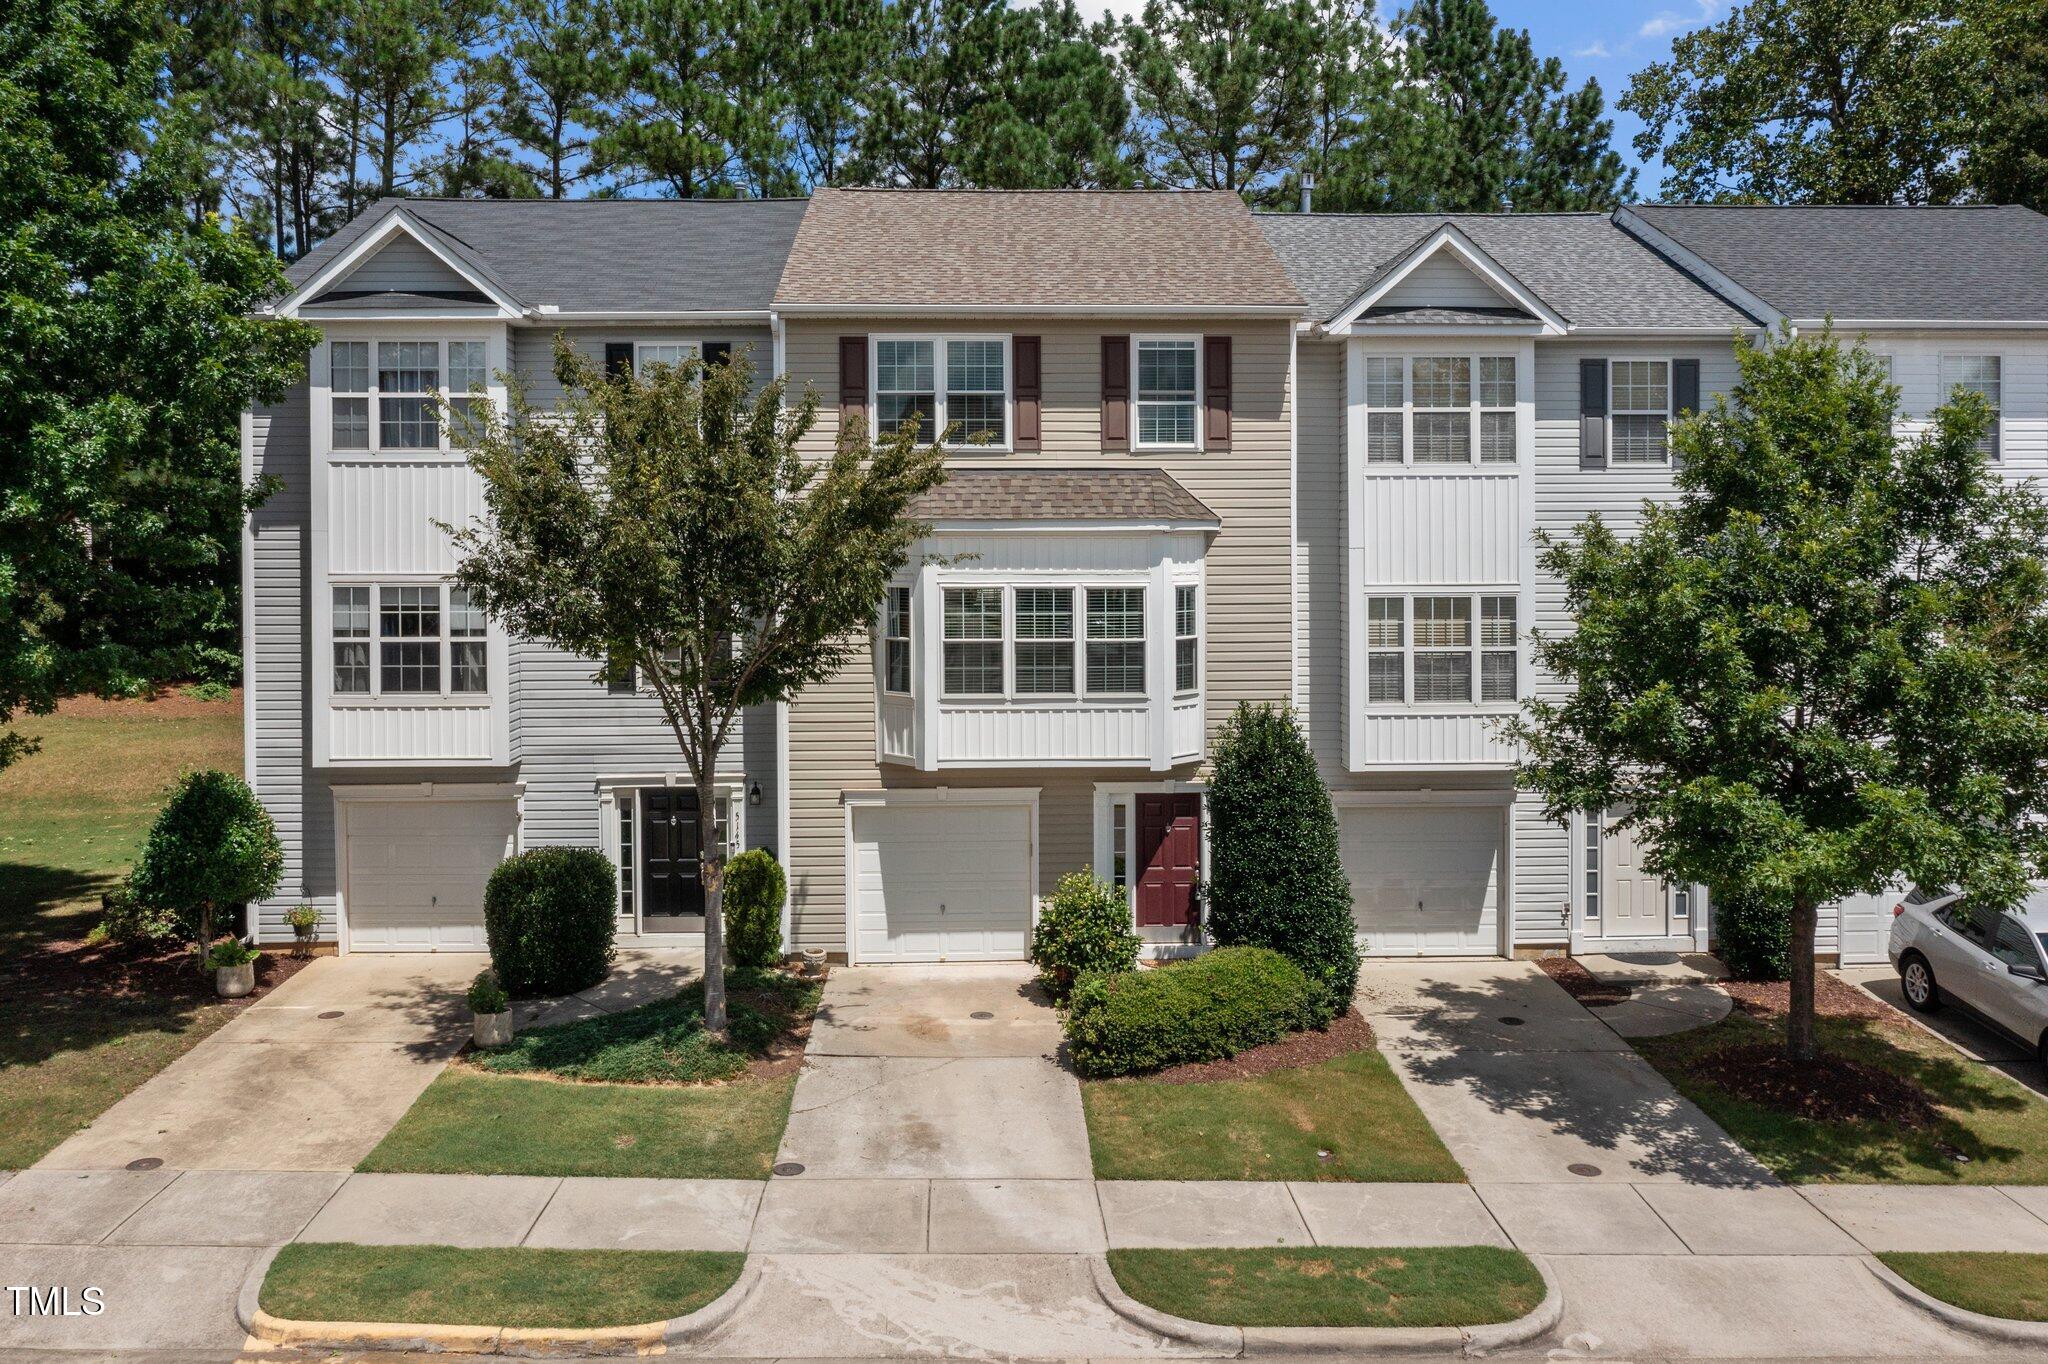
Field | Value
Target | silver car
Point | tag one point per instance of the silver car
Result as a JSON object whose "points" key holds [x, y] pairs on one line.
{"points": [[1994, 965]]}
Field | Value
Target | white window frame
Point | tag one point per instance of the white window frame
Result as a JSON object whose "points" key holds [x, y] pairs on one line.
{"points": [[692, 350], [1615, 412], [1077, 605], [890, 641], [1477, 408], [1475, 599], [1001, 641], [1137, 425], [941, 418], [372, 393], [1143, 641], [447, 639], [1078, 589], [1194, 589], [1990, 444]]}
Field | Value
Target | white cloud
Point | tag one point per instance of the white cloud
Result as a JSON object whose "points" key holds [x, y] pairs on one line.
{"points": [[1666, 22], [1596, 49]]}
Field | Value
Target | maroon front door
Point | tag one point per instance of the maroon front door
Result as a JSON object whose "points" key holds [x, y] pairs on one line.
{"points": [[1169, 859]]}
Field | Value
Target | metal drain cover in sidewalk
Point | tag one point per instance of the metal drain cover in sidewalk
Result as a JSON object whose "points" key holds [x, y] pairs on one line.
{"points": [[1585, 1171], [146, 1163], [1511, 1020], [982, 1014], [789, 1167]]}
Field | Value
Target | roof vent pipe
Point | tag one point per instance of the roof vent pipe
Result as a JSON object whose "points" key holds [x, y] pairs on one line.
{"points": [[1308, 189]]}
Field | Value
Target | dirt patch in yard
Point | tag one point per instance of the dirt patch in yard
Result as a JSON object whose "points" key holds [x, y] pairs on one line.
{"points": [[1347, 1034], [1832, 998], [113, 972], [1582, 984], [1831, 1089], [785, 1055]]}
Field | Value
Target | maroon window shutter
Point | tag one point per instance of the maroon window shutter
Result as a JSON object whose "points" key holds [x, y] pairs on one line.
{"points": [[1024, 355], [1116, 392], [853, 383], [1216, 392]]}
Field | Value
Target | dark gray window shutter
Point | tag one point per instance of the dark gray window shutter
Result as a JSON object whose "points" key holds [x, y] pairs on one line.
{"points": [[718, 352], [1685, 387], [618, 359], [853, 382], [1592, 414]]}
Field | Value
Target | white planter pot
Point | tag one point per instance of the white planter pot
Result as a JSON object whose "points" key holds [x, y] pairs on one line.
{"points": [[232, 982], [493, 1030]]}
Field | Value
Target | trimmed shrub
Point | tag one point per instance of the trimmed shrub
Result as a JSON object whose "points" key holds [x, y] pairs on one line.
{"points": [[755, 887], [1084, 926], [124, 918], [211, 849], [1205, 1009], [1753, 937], [1276, 878], [549, 917]]}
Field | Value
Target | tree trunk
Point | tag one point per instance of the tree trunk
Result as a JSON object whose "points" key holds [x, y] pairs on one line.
{"points": [[1801, 1043], [711, 873], [205, 935]]}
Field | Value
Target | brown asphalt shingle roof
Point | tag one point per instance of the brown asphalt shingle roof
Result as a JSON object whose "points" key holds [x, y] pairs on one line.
{"points": [[1016, 250], [1039, 494]]}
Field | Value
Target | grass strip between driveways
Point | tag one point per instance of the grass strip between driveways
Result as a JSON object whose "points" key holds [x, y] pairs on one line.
{"points": [[472, 1123], [1994, 1283], [509, 1286], [1276, 1126], [1334, 1286]]}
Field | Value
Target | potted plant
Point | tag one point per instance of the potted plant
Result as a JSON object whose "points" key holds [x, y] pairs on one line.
{"points": [[493, 1009], [305, 922], [234, 967]]}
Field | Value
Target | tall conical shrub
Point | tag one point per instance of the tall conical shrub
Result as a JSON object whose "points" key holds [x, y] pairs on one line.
{"points": [[1276, 876]]}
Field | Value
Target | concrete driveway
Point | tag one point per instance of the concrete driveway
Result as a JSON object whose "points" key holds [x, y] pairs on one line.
{"points": [[1976, 1042]]}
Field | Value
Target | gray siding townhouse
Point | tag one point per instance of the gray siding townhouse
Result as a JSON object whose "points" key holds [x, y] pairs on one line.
{"points": [[1209, 456]]}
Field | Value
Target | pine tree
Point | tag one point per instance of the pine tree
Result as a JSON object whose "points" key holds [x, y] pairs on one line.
{"points": [[560, 58], [831, 53], [679, 119], [942, 54], [389, 67], [1057, 116]]}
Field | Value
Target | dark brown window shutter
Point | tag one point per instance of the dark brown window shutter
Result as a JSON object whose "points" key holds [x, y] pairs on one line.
{"points": [[1685, 387], [1024, 356], [853, 382], [1216, 392], [1592, 414], [718, 352], [618, 359], [1116, 392]]}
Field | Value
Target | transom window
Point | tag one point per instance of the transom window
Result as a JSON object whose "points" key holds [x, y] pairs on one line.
{"points": [[431, 640], [1426, 648], [1979, 374], [896, 640], [395, 403], [1641, 404], [935, 383], [1440, 409], [1166, 388]]}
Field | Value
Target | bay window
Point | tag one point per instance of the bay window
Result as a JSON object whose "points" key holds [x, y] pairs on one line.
{"points": [[1440, 409], [1045, 641], [430, 640], [1116, 641], [931, 383], [1037, 642], [1439, 648], [896, 641], [973, 641], [1641, 396], [389, 395], [1166, 392], [1186, 640]]}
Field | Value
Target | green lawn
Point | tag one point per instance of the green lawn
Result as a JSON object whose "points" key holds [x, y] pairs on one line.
{"points": [[77, 1036], [1273, 1127], [472, 1123], [1995, 1283], [1999, 1125], [1334, 1286], [519, 1287]]}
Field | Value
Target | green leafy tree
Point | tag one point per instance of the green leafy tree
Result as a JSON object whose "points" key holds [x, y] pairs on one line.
{"points": [[212, 847], [560, 59], [1224, 90], [1276, 874], [1823, 668], [2008, 161], [1821, 101], [128, 352], [670, 521]]}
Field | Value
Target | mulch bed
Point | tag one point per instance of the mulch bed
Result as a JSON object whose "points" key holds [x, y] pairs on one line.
{"points": [[785, 1054], [1832, 1089], [1582, 984], [1832, 998], [171, 703], [1347, 1034], [117, 972]]}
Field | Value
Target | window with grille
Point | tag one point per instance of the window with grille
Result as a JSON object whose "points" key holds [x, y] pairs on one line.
{"points": [[409, 631], [1981, 374], [977, 392], [466, 382], [1497, 648], [1590, 863], [1045, 640], [351, 641], [1386, 402], [973, 663], [1166, 392], [468, 668], [1386, 643], [1440, 409], [1187, 641], [896, 641], [1441, 393], [957, 385], [627, 800], [1641, 394], [1116, 641], [408, 394], [348, 375], [1441, 648], [1497, 409], [430, 640]]}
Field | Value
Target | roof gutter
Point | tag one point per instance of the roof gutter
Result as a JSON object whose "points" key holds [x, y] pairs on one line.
{"points": [[1070, 526], [1930, 324], [1287, 310]]}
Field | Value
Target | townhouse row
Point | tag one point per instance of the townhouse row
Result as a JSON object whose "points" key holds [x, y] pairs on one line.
{"points": [[1209, 457]]}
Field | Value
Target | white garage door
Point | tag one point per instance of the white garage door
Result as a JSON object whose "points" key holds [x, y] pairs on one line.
{"points": [[1425, 880], [942, 882], [1863, 926], [416, 871]]}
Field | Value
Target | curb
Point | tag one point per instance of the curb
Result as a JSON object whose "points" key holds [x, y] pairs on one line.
{"points": [[644, 1338], [1264, 1341], [2003, 1329]]}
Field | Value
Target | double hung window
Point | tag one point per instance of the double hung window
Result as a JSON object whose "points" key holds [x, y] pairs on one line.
{"points": [[896, 641], [1116, 641], [1045, 641], [1187, 639], [1440, 409], [1641, 396], [1980, 374], [973, 641], [1166, 392], [931, 384]]}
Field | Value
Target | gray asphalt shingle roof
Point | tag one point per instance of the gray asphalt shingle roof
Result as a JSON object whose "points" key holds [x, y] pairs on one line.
{"points": [[1024, 249], [1582, 265], [1036, 494], [1982, 263], [605, 255]]}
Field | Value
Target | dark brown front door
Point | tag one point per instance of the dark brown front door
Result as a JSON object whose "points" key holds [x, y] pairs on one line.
{"points": [[1169, 859], [668, 865]]}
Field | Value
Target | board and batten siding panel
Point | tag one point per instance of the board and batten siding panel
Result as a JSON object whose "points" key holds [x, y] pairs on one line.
{"points": [[1248, 649], [403, 265]]}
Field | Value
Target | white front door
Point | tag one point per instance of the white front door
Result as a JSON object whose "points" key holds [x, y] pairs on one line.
{"points": [[1636, 904], [1425, 879], [414, 871], [942, 881]]}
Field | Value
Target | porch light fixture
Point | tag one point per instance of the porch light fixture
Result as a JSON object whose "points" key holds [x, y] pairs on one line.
{"points": [[753, 793]]}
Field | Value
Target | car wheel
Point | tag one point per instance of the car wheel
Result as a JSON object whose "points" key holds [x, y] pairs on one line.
{"points": [[1916, 981]]}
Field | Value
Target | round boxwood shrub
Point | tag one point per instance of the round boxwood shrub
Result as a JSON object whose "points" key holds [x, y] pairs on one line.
{"points": [[1205, 1009], [548, 913], [212, 848], [754, 890], [1276, 877], [1084, 926], [1753, 937]]}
